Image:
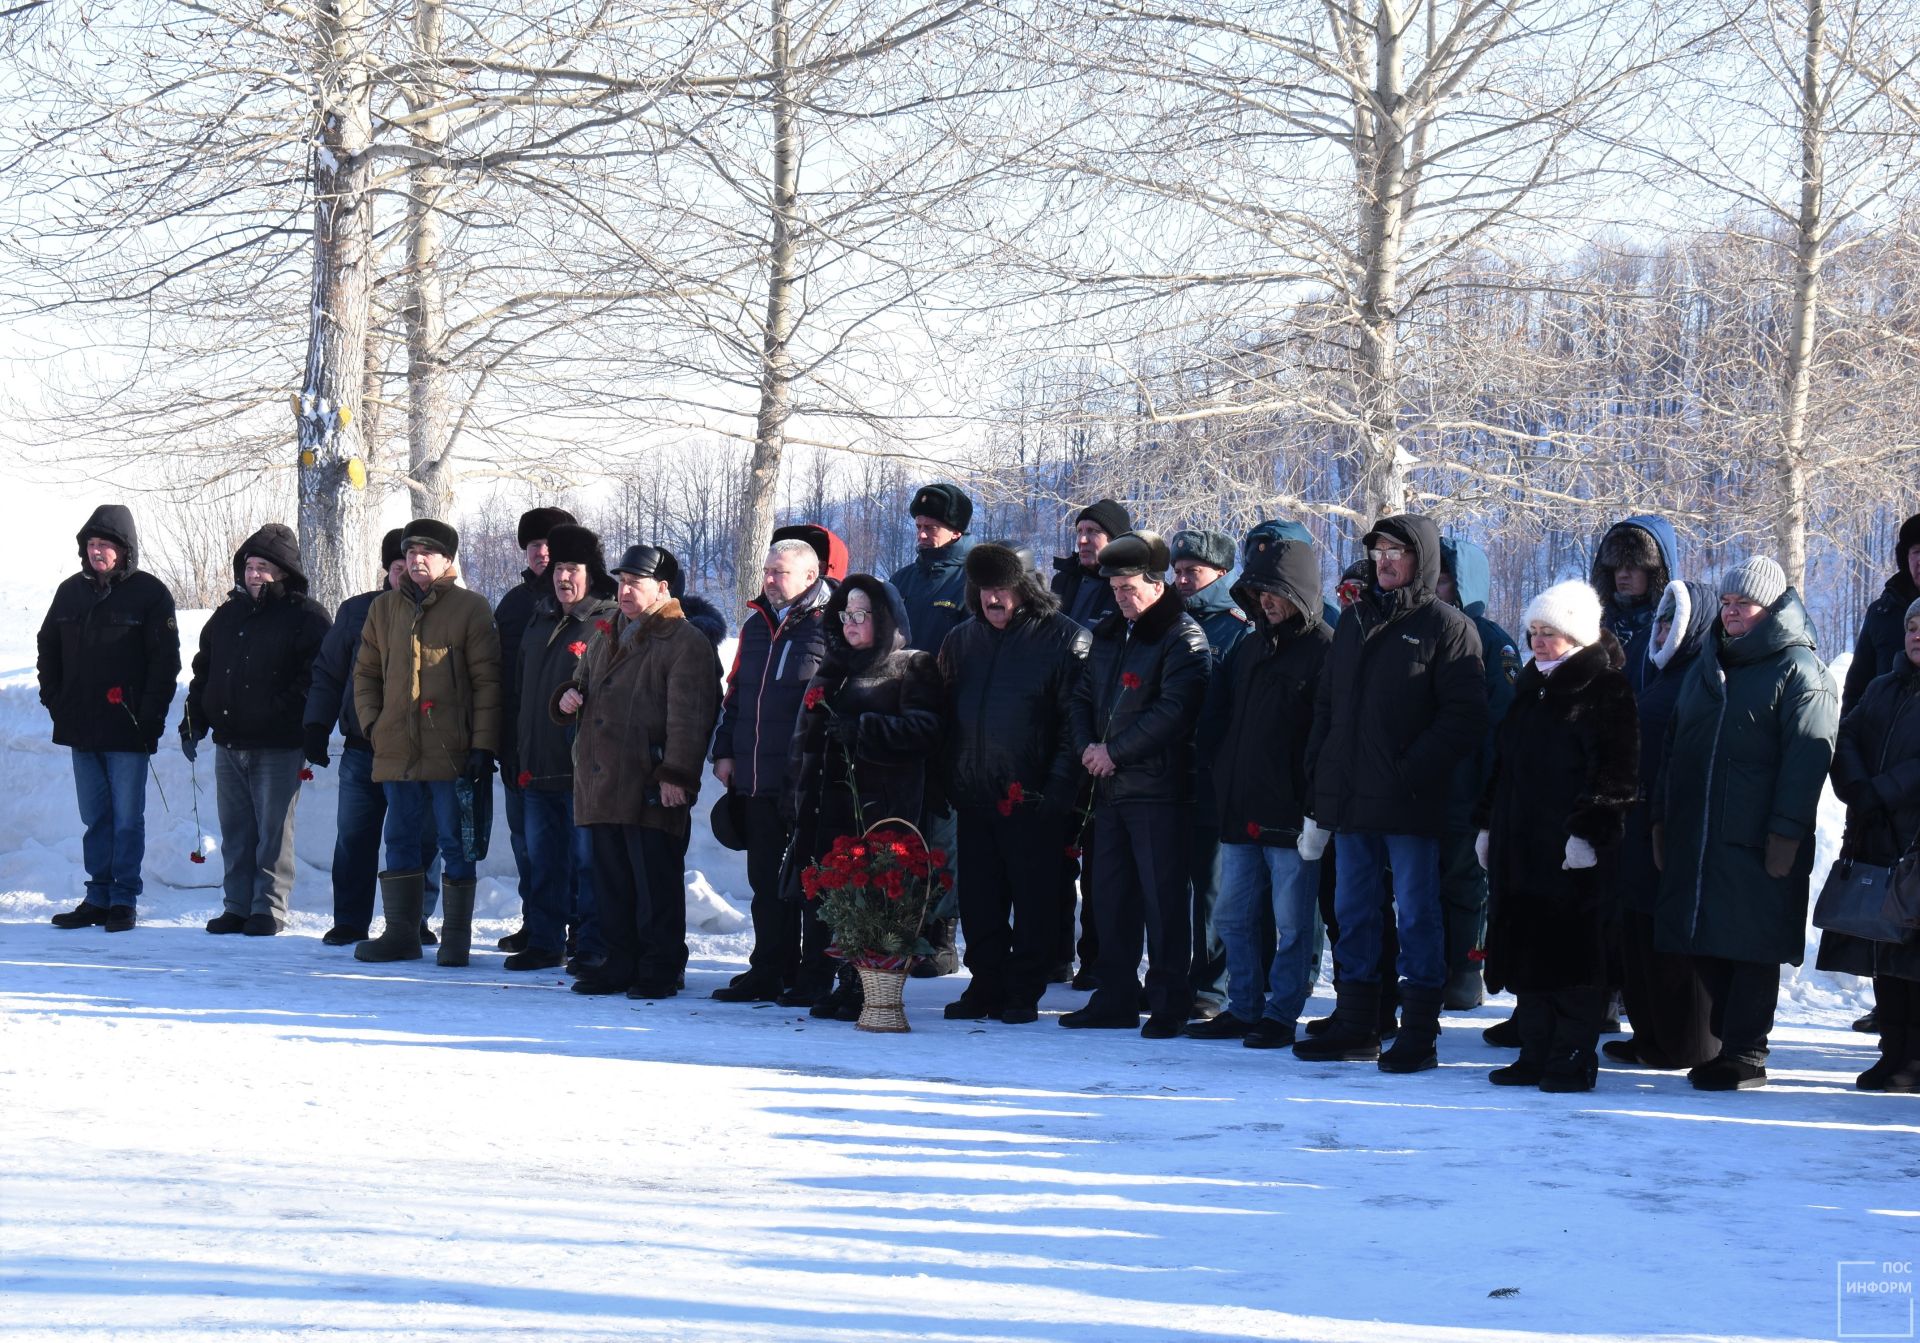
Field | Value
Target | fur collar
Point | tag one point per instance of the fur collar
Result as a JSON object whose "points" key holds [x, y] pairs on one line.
{"points": [[1581, 668]]}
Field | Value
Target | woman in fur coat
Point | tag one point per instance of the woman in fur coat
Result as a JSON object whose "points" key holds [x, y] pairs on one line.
{"points": [[1566, 770]]}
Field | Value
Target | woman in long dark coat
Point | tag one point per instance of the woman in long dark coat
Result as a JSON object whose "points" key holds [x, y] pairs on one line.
{"points": [[1876, 772], [1565, 773], [1667, 1004], [875, 703]]}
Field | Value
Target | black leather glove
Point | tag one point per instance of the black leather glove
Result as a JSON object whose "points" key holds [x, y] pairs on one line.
{"points": [[316, 737], [189, 744], [479, 765]]}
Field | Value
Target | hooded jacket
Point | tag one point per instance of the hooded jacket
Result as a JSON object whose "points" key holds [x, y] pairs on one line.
{"points": [[1632, 623], [426, 682], [1265, 694], [1499, 656], [934, 591], [1635, 880], [1275, 529], [1876, 772], [255, 664], [1402, 698], [652, 689], [1566, 765], [104, 633], [772, 663], [1007, 695], [1747, 751], [888, 696], [1145, 684], [551, 650], [1883, 630]]}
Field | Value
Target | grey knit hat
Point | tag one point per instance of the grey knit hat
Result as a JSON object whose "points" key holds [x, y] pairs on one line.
{"points": [[1913, 609], [1759, 580]]}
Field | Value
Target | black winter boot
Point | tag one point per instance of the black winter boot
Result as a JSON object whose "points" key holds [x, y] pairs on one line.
{"points": [[1414, 1051], [82, 915], [945, 957], [456, 922], [1894, 1053], [1353, 1035], [1571, 1070], [515, 940], [401, 896]]}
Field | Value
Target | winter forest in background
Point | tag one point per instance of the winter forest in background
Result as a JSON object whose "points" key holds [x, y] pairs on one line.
{"points": [[1527, 265]]}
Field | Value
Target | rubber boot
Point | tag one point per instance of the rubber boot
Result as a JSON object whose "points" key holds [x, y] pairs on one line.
{"points": [[401, 896], [1353, 1035], [456, 921], [1414, 1051]]}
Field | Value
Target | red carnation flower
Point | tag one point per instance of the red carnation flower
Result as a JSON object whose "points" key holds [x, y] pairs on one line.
{"points": [[426, 706], [306, 775], [1253, 829], [1476, 955], [813, 697], [525, 777], [1128, 681], [577, 647], [115, 695], [1073, 852], [1015, 793], [604, 626], [946, 881], [1004, 806], [196, 857], [938, 857]]}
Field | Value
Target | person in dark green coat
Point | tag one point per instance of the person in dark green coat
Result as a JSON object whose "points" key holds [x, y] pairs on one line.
{"points": [[1747, 752]]}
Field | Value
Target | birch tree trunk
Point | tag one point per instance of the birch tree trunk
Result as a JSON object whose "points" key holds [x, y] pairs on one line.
{"points": [[429, 438], [776, 355], [328, 405], [1383, 191], [1810, 234]]}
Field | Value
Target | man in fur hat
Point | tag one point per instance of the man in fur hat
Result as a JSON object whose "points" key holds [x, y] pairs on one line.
{"points": [[934, 585], [1631, 568], [1012, 773], [511, 618]]}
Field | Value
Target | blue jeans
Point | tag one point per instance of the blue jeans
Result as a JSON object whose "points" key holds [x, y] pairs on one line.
{"points": [[415, 810], [515, 802], [112, 790], [1251, 876], [356, 843], [1359, 897], [561, 858]]}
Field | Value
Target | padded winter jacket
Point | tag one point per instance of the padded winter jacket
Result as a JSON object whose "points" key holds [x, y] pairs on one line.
{"points": [[888, 696], [1881, 645], [934, 591], [1007, 698], [255, 664], [510, 619], [652, 690], [330, 695], [1145, 683], [1402, 699], [1876, 772], [772, 664], [554, 643], [106, 633], [1747, 752], [1085, 597], [1265, 693], [426, 684], [1566, 765]]}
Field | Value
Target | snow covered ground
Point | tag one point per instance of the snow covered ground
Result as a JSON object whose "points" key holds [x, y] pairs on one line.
{"points": [[264, 1138]]}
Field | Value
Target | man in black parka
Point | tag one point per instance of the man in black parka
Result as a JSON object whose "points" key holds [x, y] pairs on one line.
{"points": [[1134, 714], [249, 688], [1878, 649], [1402, 699], [108, 657], [511, 617], [1013, 774]]}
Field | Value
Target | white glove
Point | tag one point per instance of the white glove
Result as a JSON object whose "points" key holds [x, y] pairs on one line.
{"points": [[1481, 842], [1579, 854], [1313, 841]]}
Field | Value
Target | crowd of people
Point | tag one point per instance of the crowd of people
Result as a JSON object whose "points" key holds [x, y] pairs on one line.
{"points": [[1176, 744]]}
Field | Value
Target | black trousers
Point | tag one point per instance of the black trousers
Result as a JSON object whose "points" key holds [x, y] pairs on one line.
{"points": [[640, 887], [1208, 975], [1076, 894], [1666, 1002], [1896, 1005], [776, 921], [1562, 1022], [1008, 875], [1140, 886], [1742, 995]]}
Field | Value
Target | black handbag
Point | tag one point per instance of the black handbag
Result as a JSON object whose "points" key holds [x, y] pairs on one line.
{"points": [[1881, 904]]}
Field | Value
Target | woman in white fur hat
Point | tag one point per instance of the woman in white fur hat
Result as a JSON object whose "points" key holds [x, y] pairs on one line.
{"points": [[1565, 773]]}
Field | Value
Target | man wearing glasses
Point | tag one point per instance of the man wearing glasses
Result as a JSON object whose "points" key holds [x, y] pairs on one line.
{"points": [[1402, 698]]}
